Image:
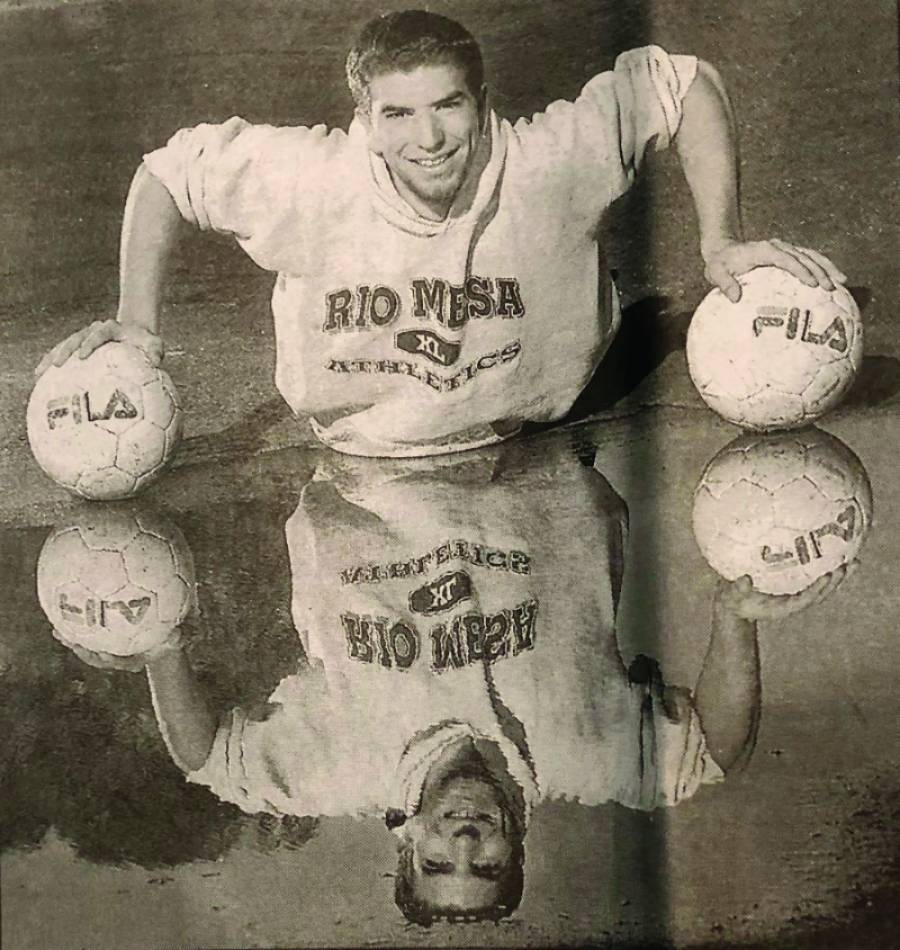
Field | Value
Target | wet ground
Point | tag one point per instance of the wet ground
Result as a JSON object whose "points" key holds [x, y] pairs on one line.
{"points": [[107, 845]]}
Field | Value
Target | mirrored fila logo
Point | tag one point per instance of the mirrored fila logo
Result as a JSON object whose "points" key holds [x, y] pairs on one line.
{"points": [[443, 594], [430, 345], [96, 612], [809, 546], [794, 321]]}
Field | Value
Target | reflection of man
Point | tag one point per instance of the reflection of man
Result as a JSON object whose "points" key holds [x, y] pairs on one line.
{"points": [[438, 282], [463, 666]]}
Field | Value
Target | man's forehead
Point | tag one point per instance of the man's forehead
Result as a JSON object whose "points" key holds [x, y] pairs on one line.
{"points": [[421, 86]]}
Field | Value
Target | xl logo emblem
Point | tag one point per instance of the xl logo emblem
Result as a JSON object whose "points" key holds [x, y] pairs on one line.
{"points": [[430, 345], [443, 594]]}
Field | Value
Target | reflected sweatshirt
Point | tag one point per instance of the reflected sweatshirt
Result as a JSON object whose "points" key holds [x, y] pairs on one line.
{"points": [[434, 605]]}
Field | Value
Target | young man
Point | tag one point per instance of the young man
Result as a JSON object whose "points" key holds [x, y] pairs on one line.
{"points": [[438, 282]]}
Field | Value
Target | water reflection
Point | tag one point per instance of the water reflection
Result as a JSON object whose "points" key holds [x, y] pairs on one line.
{"points": [[82, 752], [458, 619], [787, 512], [462, 673]]}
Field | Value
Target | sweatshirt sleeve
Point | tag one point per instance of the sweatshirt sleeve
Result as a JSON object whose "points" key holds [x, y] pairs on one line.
{"points": [[225, 772], [675, 758], [255, 758], [592, 148], [261, 184]]}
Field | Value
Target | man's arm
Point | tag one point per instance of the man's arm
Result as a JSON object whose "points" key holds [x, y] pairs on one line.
{"points": [[729, 690], [150, 231], [728, 694], [185, 719], [707, 148]]}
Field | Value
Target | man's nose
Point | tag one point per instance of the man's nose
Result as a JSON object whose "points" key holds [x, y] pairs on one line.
{"points": [[466, 837], [429, 134]]}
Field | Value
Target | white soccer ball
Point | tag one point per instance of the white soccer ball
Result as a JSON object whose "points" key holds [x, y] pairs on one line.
{"points": [[784, 508], [779, 358], [104, 427], [117, 582]]}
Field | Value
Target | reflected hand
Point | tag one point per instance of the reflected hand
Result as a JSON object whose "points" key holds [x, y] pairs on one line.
{"points": [[742, 599], [83, 342], [726, 262], [128, 664]]}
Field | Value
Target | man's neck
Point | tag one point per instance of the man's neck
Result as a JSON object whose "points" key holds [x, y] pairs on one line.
{"points": [[436, 211]]}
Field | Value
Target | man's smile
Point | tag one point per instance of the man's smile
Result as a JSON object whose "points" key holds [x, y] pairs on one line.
{"points": [[436, 161]]}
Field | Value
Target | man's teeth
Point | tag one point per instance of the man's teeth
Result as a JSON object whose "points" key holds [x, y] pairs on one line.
{"points": [[431, 162]]}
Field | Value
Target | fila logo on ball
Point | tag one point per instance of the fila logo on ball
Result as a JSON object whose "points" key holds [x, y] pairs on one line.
{"points": [[95, 612], [795, 321], [809, 546], [77, 409]]}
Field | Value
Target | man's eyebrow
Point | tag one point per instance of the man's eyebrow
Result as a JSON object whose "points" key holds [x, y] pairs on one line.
{"points": [[449, 100], [437, 867]]}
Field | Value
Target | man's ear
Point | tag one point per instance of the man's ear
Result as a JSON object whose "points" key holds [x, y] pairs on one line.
{"points": [[365, 120], [483, 107]]}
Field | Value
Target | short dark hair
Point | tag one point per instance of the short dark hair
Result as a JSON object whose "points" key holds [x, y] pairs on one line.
{"points": [[511, 884], [401, 42]]}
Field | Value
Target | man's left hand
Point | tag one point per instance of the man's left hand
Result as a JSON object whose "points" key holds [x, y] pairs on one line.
{"points": [[726, 262]]}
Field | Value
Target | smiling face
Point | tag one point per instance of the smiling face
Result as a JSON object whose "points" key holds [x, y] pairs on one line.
{"points": [[461, 845], [462, 852], [426, 125]]}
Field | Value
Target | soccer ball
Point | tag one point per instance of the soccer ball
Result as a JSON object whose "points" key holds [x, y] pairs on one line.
{"points": [[783, 508], [114, 581], [104, 427], [779, 358]]}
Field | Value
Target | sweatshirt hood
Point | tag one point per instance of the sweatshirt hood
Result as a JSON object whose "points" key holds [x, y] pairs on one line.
{"points": [[471, 202]]}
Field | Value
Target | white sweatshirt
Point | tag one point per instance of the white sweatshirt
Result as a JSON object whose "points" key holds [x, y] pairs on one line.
{"points": [[401, 336], [442, 601]]}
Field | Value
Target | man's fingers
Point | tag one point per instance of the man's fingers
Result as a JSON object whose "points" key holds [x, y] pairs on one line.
{"points": [[823, 279], [833, 271], [793, 265], [719, 275], [98, 333]]}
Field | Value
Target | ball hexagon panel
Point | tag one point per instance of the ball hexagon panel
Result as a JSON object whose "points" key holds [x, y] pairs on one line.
{"points": [[174, 600], [107, 530], [105, 483], [160, 401], [141, 450]]}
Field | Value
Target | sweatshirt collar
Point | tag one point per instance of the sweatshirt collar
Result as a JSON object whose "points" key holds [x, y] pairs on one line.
{"points": [[426, 748]]}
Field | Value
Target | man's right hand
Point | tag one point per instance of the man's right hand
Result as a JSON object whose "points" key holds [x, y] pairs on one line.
{"points": [[742, 599], [83, 342]]}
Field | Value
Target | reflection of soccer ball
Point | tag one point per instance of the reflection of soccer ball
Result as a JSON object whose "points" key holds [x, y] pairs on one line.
{"points": [[105, 426], [784, 509], [116, 581], [780, 357]]}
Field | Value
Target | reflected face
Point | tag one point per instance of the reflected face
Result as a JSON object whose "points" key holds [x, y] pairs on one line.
{"points": [[426, 125], [462, 842]]}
